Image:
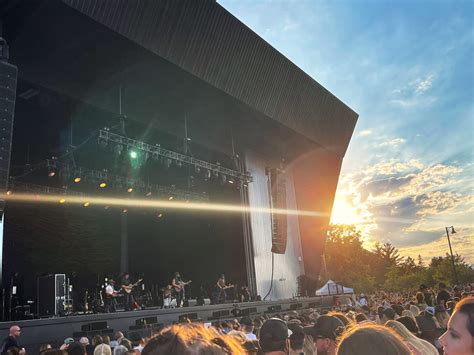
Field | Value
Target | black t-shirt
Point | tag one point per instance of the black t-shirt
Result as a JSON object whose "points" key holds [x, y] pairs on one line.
{"points": [[8, 342], [443, 297]]}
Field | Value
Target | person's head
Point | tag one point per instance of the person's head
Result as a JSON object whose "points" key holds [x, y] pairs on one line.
{"points": [[325, 332], [246, 325], [44, 347], [398, 309], [118, 336], [274, 335], [102, 349], [177, 274], [420, 297], [127, 343], [459, 338], [76, 348], [51, 352], [422, 346], [342, 317], [84, 341], [13, 351], [388, 314], [408, 313], [442, 316], [126, 275], [415, 310], [429, 311], [297, 336], [410, 324], [360, 317], [111, 282], [15, 331], [119, 350], [191, 338], [371, 339], [96, 340]]}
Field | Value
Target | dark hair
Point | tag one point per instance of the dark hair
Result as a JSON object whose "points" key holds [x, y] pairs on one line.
{"points": [[420, 297], [297, 341], [372, 340], [96, 340], [75, 349], [398, 309], [442, 285], [389, 313], [53, 352], [268, 345], [360, 317], [409, 323], [466, 307], [342, 317]]}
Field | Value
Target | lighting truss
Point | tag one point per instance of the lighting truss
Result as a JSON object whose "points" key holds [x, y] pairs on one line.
{"points": [[18, 186], [155, 151], [124, 182]]}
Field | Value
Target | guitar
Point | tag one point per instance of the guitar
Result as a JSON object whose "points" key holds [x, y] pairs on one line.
{"points": [[129, 288], [179, 288]]}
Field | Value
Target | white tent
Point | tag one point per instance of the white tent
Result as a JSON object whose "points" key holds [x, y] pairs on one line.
{"points": [[332, 288]]}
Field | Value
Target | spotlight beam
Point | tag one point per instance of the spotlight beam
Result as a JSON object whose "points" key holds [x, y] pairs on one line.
{"points": [[155, 204]]}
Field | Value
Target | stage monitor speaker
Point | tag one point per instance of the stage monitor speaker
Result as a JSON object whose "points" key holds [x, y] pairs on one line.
{"points": [[277, 181], [51, 292]]}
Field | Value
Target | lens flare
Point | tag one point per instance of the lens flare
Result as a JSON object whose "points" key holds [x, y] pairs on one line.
{"points": [[127, 203]]}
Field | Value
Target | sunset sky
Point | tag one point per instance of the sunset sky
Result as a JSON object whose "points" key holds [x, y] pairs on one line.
{"points": [[406, 67]]}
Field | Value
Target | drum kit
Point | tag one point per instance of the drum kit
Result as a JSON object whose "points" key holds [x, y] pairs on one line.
{"points": [[169, 297]]}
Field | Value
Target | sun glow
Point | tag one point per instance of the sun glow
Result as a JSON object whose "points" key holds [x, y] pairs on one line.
{"points": [[343, 212]]}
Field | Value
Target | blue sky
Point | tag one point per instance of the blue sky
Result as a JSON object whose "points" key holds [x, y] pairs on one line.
{"points": [[407, 68]]}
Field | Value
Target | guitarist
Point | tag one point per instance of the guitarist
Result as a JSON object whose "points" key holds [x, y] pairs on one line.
{"points": [[110, 295], [128, 298], [221, 287], [178, 285]]}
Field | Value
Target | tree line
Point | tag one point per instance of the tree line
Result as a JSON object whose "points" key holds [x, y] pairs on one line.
{"points": [[348, 262]]}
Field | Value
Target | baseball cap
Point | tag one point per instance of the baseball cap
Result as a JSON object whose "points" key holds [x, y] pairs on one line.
{"points": [[325, 327], [430, 311], [274, 329], [296, 330], [246, 321], [68, 341]]}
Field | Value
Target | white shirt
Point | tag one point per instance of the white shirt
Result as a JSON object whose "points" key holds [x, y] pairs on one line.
{"points": [[251, 336], [109, 290], [363, 301]]}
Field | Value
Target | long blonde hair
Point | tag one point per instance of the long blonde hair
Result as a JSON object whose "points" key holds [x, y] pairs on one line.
{"points": [[422, 346], [415, 310]]}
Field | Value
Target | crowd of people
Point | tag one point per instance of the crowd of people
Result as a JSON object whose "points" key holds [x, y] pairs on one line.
{"points": [[421, 323]]}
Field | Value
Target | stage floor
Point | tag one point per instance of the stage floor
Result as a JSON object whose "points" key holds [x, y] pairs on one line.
{"points": [[137, 324]]}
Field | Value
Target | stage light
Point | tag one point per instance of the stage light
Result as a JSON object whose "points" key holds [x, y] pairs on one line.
{"points": [[160, 215], [102, 185], [148, 193], [133, 154], [179, 164], [51, 172], [77, 180], [86, 204], [170, 198], [62, 200], [9, 192], [130, 189], [124, 210], [231, 181]]}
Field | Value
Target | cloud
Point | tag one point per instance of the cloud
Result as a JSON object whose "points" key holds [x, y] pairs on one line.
{"points": [[462, 243], [365, 133], [422, 85], [393, 142], [405, 202]]}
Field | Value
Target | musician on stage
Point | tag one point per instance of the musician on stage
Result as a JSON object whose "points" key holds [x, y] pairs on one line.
{"points": [[221, 294], [178, 285], [128, 299], [110, 294]]}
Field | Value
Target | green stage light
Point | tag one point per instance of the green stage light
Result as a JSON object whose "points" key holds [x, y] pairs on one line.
{"points": [[133, 154]]}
